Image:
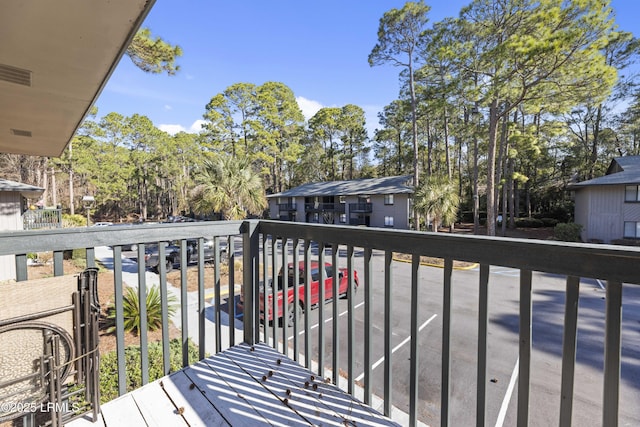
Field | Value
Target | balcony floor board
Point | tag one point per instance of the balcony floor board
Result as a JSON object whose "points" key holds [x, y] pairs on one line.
{"points": [[242, 386]]}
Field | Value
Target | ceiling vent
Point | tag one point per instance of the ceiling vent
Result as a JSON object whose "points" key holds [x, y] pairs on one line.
{"points": [[18, 132], [15, 75]]}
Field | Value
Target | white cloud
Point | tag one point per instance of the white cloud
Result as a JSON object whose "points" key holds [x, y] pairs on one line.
{"points": [[196, 126], [172, 129], [309, 107], [167, 107]]}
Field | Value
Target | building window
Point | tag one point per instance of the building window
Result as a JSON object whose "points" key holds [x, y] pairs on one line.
{"points": [[388, 199], [343, 218], [388, 221], [343, 199], [631, 193], [631, 230]]}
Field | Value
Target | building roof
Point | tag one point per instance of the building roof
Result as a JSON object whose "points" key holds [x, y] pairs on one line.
{"points": [[621, 171], [368, 186], [55, 59], [25, 189]]}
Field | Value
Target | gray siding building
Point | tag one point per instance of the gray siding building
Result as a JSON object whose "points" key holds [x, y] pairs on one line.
{"points": [[608, 207], [13, 204], [374, 202]]}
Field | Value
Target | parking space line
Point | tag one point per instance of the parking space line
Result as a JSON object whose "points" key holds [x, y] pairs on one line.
{"points": [[507, 397], [328, 320], [406, 340]]}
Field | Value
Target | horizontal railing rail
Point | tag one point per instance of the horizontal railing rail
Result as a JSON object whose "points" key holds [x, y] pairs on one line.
{"points": [[287, 207], [361, 207], [319, 207], [270, 251]]}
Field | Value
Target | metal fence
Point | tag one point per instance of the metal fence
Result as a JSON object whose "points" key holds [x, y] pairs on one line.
{"points": [[266, 247]]}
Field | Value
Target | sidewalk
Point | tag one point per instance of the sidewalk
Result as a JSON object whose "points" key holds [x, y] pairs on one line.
{"points": [[104, 255]]}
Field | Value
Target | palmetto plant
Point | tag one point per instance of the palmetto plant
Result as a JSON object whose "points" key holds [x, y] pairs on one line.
{"points": [[228, 185], [131, 310], [437, 197]]}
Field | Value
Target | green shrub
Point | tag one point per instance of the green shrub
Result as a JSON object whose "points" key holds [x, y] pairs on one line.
{"points": [[109, 366], [75, 220], [131, 310], [549, 222], [568, 231], [529, 223]]}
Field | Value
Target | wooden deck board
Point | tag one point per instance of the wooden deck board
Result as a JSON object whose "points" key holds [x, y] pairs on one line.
{"points": [[197, 410], [303, 401], [327, 396], [156, 407], [122, 411], [238, 396], [229, 389]]}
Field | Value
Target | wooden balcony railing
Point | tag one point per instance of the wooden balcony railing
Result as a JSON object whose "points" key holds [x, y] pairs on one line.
{"points": [[540, 307]]}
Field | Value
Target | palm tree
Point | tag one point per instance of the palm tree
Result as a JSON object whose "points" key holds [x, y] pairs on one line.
{"points": [[228, 185], [437, 197]]}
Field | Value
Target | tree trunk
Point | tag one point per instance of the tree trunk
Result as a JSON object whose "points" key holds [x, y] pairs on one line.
{"points": [[446, 143], [414, 138], [54, 188], [491, 168]]}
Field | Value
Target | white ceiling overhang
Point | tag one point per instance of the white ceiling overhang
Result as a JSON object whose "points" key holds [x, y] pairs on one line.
{"points": [[55, 58]]}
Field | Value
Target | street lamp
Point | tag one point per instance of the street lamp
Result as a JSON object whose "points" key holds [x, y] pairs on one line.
{"points": [[88, 202]]}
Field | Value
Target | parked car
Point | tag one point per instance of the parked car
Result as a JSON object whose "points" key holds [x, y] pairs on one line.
{"points": [[295, 305], [172, 253]]}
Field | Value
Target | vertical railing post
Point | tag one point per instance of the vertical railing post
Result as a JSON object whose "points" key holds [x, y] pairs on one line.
{"points": [[388, 333], [322, 277], [164, 300], [612, 349], [524, 358], [483, 323], [217, 300], [446, 343], [250, 268], [413, 355], [368, 306], [201, 318], [119, 307], [569, 342], [184, 303], [142, 308]]}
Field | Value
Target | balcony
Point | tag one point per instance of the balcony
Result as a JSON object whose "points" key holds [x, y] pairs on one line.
{"points": [[506, 332], [286, 207], [360, 207], [324, 207], [36, 219]]}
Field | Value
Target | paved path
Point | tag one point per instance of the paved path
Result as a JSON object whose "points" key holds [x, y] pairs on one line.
{"points": [[104, 255]]}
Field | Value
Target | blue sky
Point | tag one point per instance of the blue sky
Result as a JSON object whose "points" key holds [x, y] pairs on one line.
{"points": [[317, 48]]}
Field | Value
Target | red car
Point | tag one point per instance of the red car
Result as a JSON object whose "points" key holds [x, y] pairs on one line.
{"points": [[296, 305]]}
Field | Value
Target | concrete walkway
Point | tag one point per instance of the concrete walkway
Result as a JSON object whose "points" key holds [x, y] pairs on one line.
{"points": [[104, 256]]}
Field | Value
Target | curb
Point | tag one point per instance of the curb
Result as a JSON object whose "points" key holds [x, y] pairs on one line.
{"points": [[427, 264]]}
